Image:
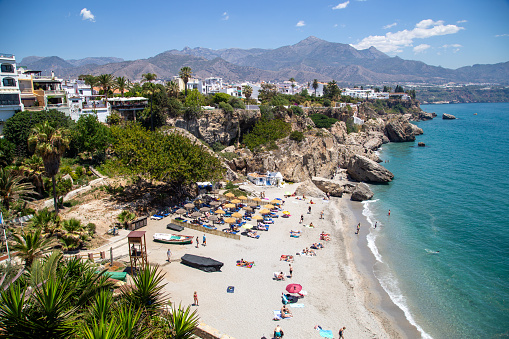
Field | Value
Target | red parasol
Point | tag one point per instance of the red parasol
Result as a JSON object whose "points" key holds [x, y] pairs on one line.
{"points": [[294, 288]]}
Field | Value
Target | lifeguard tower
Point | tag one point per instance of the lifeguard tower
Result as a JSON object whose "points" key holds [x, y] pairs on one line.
{"points": [[137, 250]]}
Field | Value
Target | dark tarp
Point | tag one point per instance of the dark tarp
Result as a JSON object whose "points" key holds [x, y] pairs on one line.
{"points": [[202, 263], [175, 227]]}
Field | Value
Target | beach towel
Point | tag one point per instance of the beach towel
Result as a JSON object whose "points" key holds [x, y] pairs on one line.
{"points": [[247, 264], [296, 305], [326, 333], [230, 289], [277, 315]]}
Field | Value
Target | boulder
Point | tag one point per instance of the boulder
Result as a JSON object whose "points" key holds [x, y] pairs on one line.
{"points": [[421, 144], [426, 116], [363, 169], [309, 189], [446, 116], [328, 186], [397, 131], [361, 192]]}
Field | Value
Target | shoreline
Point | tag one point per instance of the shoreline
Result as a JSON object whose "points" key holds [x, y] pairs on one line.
{"points": [[340, 289]]}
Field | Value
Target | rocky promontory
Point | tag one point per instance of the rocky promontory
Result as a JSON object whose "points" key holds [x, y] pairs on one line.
{"points": [[364, 169], [446, 116]]}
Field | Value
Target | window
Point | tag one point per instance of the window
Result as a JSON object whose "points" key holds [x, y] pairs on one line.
{"points": [[9, 99], [7, 68], [9, 82]]}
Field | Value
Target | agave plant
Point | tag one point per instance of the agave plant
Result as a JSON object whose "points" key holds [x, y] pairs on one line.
{"points": [[147, 290], [125, 217], [72, 234], [30, 246], [182, 322]]}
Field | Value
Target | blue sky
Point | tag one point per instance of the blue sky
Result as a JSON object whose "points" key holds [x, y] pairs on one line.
{"points": [[449, 33]]}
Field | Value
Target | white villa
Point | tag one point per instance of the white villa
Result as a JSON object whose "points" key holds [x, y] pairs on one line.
{"points": [[10, 94], [269, 179]]}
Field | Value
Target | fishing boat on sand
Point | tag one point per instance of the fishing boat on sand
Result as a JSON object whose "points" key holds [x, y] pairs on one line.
{"points": [[173, 238]]}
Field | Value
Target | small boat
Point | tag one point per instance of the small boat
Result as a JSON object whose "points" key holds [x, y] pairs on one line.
{"points": [[175, 227], [202, 263], [173, 238], [475, 113]]}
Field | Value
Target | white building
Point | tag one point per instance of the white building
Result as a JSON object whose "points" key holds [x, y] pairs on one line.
{"points": [[10, 94], [269, 179]]}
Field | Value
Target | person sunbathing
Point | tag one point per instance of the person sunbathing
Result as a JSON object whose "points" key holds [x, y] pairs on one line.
{"points": [[281, 276], [311, 224], [285, 312]]}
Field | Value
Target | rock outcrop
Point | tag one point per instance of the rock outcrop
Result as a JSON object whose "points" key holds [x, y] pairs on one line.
{"points": [[309, 189], [361, 168], [426, 116], [421, 144], [446, 116], [332, 187], [361, 192], [400, 129]]}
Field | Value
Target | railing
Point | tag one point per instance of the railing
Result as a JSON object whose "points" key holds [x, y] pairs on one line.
{"points": [[94, 106], [54, 92]]}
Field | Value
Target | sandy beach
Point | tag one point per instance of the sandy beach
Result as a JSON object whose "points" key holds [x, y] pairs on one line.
{"points": [[339, 289]]}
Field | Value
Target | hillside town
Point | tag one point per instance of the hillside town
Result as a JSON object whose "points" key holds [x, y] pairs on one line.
{"points": [[24, 89]]}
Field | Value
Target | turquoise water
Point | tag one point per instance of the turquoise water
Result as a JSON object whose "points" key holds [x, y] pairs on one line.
{"points": [[450, 196]]}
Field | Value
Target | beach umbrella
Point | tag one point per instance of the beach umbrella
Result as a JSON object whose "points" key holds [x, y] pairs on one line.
{"points": [[215, 203], [242, 197], [220, 212], [213, 218], [275, 202], [257, 199], [189, 206], [257, 217], [237, 215], [286, 212], [196, 214], [288, 193], [247, 226], [294, 288], [230, 220], [269, 206], [204, 209], [252, 204], [180, 211], [247, 208], [235, 201], [264, 211], [229, 205], [229, 195]]}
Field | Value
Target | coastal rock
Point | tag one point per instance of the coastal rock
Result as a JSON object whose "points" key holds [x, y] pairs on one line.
{"points": [[361, 168], [446, 116], [426, 116], [328, 186], [399, 131], [309, 189], [361, 192], [421, 144]]}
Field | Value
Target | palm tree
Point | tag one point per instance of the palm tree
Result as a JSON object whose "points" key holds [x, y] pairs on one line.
{"points": [[46, 220], [91, 81], [106, 82], [292, 80], [315, 85], [33, 169], [185, 74], [172, 88], [72, 234], [30, 246], [50, 144], [121, 84], [125, 217], [12, 188], [248, 91], [149, 77]]}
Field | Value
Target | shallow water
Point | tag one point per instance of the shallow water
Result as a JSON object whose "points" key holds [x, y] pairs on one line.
{"points": [[451, 197]]}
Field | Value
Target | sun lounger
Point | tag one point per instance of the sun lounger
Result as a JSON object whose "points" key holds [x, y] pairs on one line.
{"points": [[156, 217], [254, 236]]}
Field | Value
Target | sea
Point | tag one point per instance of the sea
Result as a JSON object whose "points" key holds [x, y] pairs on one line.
{"points": [[442, 254]]}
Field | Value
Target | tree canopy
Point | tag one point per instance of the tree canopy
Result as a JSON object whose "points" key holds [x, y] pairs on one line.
{"points": [[90, 135]]}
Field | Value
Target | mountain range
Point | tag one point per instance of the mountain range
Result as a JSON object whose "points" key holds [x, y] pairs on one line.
{"points": [[311, 58]]}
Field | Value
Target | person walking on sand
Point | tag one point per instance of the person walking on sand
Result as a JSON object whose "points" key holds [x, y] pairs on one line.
{"points": [[321, 214], [301, 218], [341, 332], [309, 210], [204, 241], [197, 242], [376, 222], [169, 255], [291, 270], [358, 228], [195, 297]]}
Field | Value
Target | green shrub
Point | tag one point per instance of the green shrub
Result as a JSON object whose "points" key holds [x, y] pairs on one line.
{"points": [[266, 112], [236, 103], [221, 97], [322, 121], [297, 136], [297, 110], [266, 131], [229, 155], [6, 152], [351, 127], [279, 100], [114, 118], [326, 103], [66, 170], [79, 171], [217, 146], [226, 107], [230, 186]]}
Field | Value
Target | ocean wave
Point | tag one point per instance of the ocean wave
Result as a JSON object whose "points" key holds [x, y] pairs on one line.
{"points": [[390, 284], [372, 233]]}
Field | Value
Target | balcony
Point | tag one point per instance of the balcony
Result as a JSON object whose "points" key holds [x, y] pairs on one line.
{"points": [[54, 92], [6, 56]]}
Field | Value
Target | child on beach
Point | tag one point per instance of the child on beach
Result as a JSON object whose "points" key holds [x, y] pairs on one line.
{"points": [[195, 297], [197, 242], [358, 228], [301, 218], [291, 270], [204, 241], [321, 215], [309, 210], [169, 255]]}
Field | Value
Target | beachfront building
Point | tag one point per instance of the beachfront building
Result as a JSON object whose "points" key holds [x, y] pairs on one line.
{"points": [[128, 107], [212, 85], [10, 94], [269, 179]]}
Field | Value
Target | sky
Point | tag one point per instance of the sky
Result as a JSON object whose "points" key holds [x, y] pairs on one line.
{"points": [[447, 33]]}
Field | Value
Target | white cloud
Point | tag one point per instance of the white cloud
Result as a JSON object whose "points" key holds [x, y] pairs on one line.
{"points": [[335, 25], [461, 21], [390, 25], [394, 42], [87, 15], [341, 5], [225, 16], [501, 35], [421, 48], [300, 24], [455, 47]]}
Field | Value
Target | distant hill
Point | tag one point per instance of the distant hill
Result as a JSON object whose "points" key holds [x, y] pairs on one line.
{"points": [[311, 58]]}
